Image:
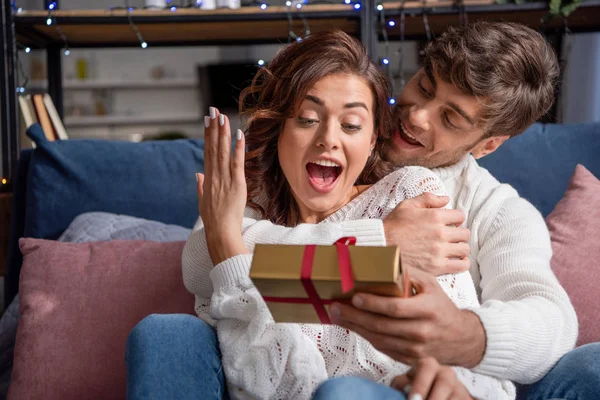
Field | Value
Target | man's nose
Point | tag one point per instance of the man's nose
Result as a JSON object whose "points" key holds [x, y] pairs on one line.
{"points": [[419, 117]]}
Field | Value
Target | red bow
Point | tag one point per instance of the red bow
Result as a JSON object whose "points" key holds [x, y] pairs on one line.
{"points": [[346, 278]]}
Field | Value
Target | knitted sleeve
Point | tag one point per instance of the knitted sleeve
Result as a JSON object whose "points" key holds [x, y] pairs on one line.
{"points": [[196, 262], [525, 309], [261, 359]]}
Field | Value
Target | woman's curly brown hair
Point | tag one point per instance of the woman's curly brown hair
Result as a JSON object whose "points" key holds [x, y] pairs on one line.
{"points": [[274, 96]]}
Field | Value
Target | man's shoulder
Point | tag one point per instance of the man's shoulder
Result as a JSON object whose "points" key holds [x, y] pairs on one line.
{"points": [[484, 185]]}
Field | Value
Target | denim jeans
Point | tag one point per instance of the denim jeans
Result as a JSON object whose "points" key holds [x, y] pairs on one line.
{"points": [[174, 357], [354, 388], [177, 357], [576, 376]]}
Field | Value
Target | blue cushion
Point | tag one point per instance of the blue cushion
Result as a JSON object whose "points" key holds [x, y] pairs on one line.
{"points": [[151, 180], [540, 162]]}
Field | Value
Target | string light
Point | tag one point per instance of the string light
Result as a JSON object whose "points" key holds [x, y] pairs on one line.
{"points": [[52, 6], [385, 61], [49, 21], [263, 6], [261, 62], [357, 6], [392, 23], [347, 1], [392, 101], [27, 50], [19, 10], [288, 3], [144, 45], [299, 6], [173, 9], [379, 7], [67, 52]]}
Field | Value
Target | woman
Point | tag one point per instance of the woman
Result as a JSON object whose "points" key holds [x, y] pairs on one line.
{"points": [[314, 119]]}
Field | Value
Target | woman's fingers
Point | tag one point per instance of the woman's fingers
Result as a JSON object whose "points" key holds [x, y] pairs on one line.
{"points": [[424, 376], [237, 162], [443, 386], [401, 383], [211, 140], [224, 155], [200, 180]]}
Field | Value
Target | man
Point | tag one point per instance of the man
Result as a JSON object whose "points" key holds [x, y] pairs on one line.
{"points": [[481, 85]]}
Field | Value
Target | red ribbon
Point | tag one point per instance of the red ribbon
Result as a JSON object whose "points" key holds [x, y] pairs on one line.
{"points": [[346, 278]]}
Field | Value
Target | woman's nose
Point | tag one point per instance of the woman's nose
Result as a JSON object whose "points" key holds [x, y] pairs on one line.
{"points": [[329, 136]]}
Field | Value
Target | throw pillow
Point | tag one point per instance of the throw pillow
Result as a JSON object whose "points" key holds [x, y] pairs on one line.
{"points": [[79, 301], [574, 226]]}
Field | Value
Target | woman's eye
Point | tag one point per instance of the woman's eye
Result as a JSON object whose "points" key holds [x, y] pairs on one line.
{"points": [[352, 127], [307, 121]]}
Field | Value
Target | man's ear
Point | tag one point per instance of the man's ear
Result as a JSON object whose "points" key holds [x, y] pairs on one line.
{"points": [[488, 146]]}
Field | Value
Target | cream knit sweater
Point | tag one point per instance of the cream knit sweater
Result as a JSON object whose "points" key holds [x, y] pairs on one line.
{"points": [[265, 360]]}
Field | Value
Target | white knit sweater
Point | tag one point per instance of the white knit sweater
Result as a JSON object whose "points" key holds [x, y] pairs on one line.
{"points": [[265, 360]]}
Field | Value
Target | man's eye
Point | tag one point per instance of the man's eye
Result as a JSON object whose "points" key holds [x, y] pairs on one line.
{"points": [[449, 122], [423, 90]]}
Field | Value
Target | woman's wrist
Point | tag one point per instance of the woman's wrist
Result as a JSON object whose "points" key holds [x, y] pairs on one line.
{"points": [[224, 246]]}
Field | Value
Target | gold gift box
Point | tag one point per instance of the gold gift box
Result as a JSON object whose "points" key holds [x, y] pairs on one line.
{"points": [[276, 273]]}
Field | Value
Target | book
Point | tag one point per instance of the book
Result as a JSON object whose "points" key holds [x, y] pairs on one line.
{"points": [[43, 117], [28, 118], [59, 128]]}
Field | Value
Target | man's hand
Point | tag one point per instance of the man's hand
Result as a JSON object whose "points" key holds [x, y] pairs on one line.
{"points": [[431, 381], [430, 238], [425, 325]]}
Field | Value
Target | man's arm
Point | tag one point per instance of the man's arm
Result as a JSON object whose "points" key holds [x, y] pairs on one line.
{"points": [[428, 235], [528, 318]]}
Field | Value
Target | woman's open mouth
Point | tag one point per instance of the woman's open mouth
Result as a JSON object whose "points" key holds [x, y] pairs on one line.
{"points": [[323, 175]]}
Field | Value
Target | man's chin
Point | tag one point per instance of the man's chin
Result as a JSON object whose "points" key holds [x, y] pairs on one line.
{"points": [[403, 158]]}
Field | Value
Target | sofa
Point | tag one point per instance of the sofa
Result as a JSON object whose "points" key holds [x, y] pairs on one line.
{"points": [[154, 181]]}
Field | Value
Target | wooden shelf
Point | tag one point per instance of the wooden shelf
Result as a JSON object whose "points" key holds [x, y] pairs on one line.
{"points": [[120, 120], [443, 13], [100, 28], [105, 28], [166, 83]]}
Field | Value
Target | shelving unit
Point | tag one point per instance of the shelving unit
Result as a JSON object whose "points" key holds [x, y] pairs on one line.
{"points": [[247, 25], [166, 83], [114, 120]]}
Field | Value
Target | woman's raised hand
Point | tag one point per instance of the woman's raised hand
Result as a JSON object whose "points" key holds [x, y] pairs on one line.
{"points": [[222, 189]]}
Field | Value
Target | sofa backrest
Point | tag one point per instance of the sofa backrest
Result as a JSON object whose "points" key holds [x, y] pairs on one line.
{"points": [[60, 180], [540, 162]]}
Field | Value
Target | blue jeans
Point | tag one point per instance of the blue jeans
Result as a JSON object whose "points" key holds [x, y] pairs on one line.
{"points": [[173, 357], [576, 376], [177, 357], [354, 388]]}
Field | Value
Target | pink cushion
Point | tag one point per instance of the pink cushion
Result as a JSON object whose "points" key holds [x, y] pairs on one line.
{"points": [[78, 304], [574, 226]]}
